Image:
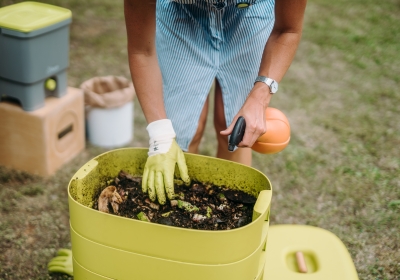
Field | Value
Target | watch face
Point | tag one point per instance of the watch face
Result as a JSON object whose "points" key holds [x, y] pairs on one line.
{"points": [[274, 87]]}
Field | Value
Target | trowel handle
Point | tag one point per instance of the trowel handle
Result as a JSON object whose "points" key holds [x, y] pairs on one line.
{"points": [[237, 133]]}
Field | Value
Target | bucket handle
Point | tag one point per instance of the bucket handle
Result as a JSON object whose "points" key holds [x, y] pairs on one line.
{"points": [[263, 253], [262, 205]]}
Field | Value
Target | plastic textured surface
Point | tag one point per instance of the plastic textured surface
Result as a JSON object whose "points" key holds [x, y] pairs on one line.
{"points": [[277, 136], [325, 255], [122, 248], [29, 16]]}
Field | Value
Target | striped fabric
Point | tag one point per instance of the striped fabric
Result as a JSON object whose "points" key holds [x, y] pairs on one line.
{"points": [[200, 40]]}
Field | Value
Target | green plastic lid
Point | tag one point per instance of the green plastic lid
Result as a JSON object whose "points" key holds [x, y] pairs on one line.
{"points": [[30, 16]]}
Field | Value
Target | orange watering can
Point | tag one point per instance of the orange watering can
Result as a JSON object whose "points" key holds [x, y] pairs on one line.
{"points": [[274, 140]]}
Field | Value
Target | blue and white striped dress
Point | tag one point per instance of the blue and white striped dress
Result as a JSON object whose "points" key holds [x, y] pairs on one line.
{"points": [[200, 40]]}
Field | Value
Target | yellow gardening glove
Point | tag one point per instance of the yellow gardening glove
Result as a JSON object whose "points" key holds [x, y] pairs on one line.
{"points": [[164, 154], [62, 263]]}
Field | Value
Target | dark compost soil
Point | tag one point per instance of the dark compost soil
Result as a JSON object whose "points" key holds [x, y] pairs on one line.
{"points": [[198, 206]]}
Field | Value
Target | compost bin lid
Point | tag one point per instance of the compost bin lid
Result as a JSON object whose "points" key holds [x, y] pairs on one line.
{"points": [[30, 16]]}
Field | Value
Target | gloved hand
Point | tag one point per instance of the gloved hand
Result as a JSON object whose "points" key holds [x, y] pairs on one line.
{"points": [[62, 263], [164, 153]]}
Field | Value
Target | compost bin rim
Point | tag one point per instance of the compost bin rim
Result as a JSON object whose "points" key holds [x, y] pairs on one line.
{"points": [[190, 154], [70, 197]]}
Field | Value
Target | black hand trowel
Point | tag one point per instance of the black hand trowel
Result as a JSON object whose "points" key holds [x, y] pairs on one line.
{"points": [[237, 133]]}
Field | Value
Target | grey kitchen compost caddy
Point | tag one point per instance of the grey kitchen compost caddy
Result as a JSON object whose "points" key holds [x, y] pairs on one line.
{"points": [[34, 52]]}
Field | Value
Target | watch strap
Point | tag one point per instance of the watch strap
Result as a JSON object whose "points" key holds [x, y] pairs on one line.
{"points": [[271, 83]]}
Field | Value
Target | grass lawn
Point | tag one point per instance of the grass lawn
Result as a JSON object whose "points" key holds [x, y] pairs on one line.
{"points": [[340, 171]]}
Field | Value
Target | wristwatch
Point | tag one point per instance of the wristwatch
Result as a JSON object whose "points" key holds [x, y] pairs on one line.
{"points": [[273, 85]]}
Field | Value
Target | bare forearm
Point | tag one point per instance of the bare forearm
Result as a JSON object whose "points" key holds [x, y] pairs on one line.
{"points": [[146, 76], [284, 40], [278, 54], [282, 44]]}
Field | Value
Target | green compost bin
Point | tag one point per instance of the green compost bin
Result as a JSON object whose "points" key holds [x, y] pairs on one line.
{"points": [[107, 246], [34, 52]]}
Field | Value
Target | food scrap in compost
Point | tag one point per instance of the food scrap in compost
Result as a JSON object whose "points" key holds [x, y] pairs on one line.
{"points": [[198, 206]]}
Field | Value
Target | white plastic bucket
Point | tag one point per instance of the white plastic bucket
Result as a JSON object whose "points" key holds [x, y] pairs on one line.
{"points": [[110, 127]]}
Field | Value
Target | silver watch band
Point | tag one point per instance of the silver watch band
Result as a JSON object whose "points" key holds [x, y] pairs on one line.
{"points": [[271, 83]]}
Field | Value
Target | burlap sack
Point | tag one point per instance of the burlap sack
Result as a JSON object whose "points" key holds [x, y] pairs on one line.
{"points": [[107, 92]]}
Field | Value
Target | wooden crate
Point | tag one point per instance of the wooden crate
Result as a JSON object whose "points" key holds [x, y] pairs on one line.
{"points": [[41, 141]]}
